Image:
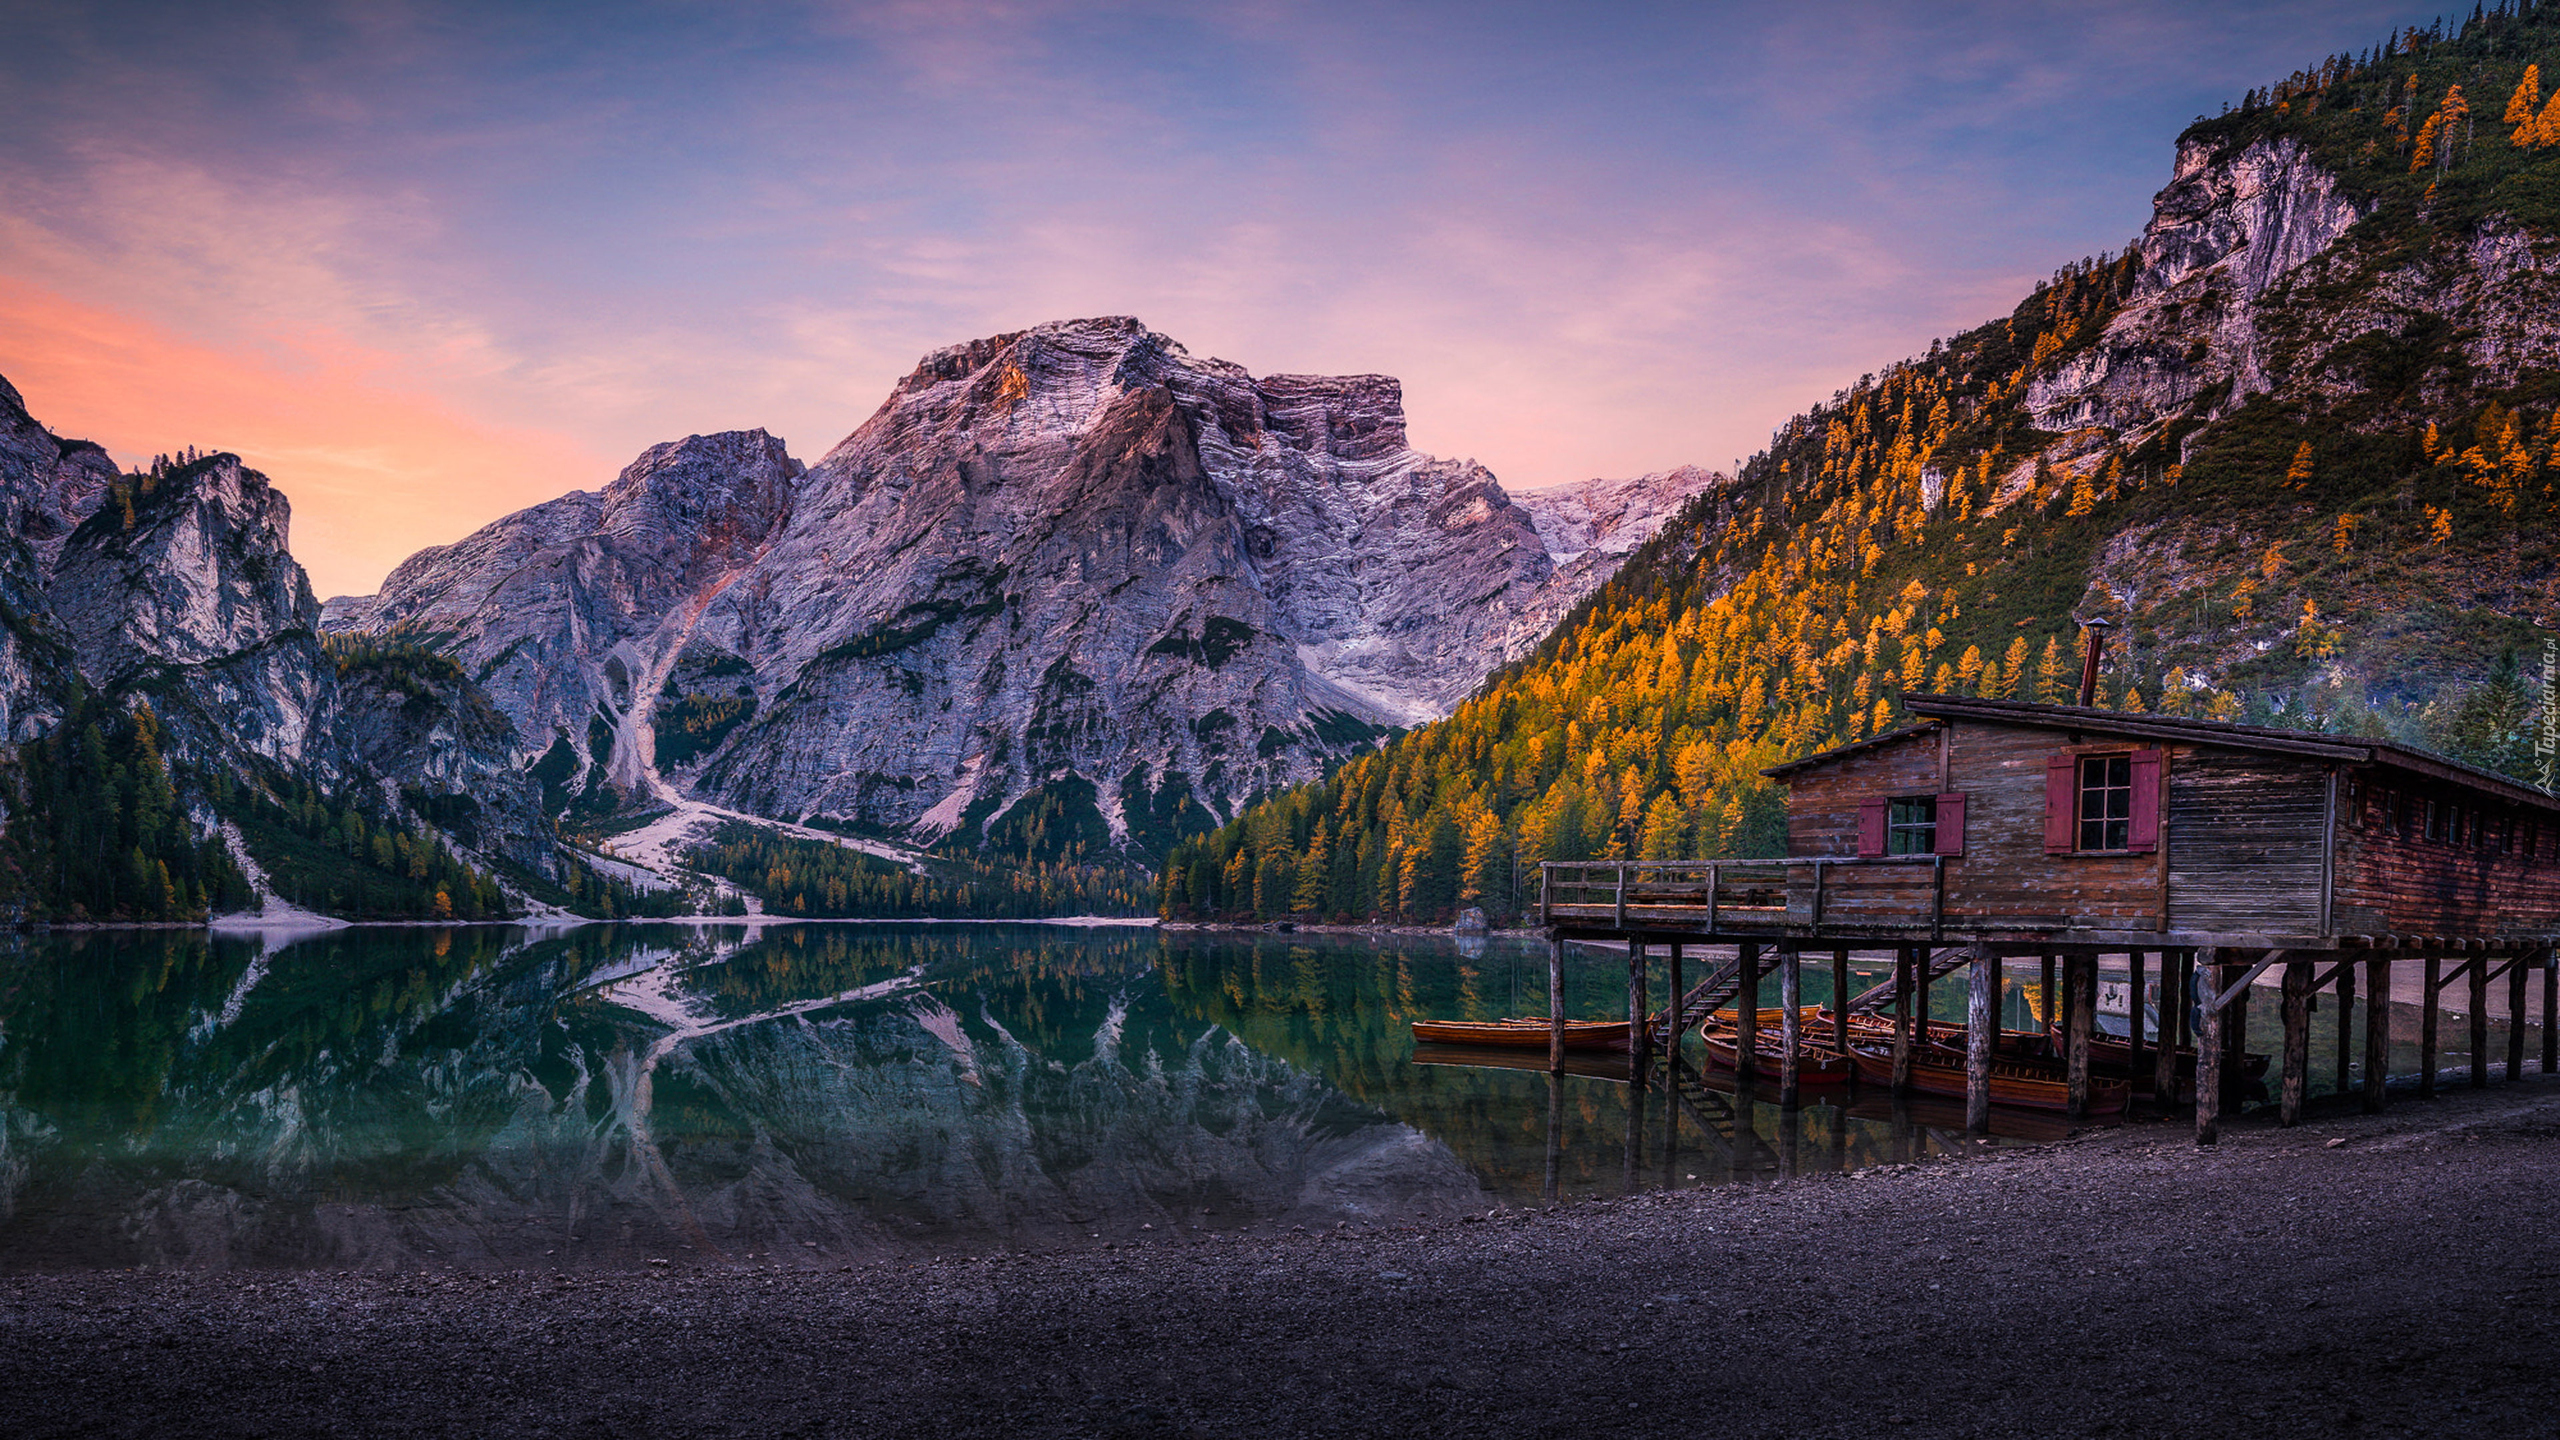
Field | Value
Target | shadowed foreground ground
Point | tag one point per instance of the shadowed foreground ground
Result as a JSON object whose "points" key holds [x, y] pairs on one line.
{"points": [[2404, 1282]]}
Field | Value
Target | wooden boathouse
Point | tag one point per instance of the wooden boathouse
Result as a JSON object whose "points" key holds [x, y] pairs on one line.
{"points": [[2206, 853]]}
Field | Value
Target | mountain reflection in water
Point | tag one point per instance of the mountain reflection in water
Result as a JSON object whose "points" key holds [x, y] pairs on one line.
{"points": [[808, 1094]]}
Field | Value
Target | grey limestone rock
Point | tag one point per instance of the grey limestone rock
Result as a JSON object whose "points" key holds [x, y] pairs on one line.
{"points": [[1073, 559], [177, 586]]}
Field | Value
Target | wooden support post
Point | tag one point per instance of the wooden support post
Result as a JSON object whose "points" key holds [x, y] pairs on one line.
{"points": [[1639, 1030], [1555, 1005], [1840, 1002], [2048, 1019], [2164, 1057], [2479, 1022], [2070, 996], [2515, 1019], [1920, 956], [1790, 1023], [2187, 1000], [2377, 1032], [2550, 963], [2427, 1019], [1746, 1013], [2080, 1001], [1902, 1021], [1673, 1021], [2235, 1040], [2297, 1042], [2209, 980], [1980, 1024], [2346, 1026], [2133, 1007]]}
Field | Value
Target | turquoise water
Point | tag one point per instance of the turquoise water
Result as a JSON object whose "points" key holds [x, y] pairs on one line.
{"points": [[813, 1094]]}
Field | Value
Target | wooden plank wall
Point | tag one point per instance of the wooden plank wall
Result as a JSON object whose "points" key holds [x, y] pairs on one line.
{"points": [[2006, 876], [1822, 803], [2244, 838], [2390, 883]]}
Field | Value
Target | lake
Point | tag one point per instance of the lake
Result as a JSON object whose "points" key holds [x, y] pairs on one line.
{"points": [[499, 1097]]}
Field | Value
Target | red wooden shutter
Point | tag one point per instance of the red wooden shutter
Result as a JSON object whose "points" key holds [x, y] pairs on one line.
{"points": [[2061, 803], [2146, 802], [1871, 827], [1950, 825]]}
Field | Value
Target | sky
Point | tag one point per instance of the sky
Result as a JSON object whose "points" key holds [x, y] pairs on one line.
{"points": [[428, 263]]}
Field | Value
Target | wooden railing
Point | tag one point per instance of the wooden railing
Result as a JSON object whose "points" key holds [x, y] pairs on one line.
{"points": [[1905, 894]]}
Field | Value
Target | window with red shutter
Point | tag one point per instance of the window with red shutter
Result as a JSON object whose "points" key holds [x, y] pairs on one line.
{"points": [[1950, 836], [2145, 837], [2061, 801], [1871, 826]]}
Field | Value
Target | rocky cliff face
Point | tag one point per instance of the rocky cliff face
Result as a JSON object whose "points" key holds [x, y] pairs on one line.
{"points": [[2223, 232], [1073, 560], [178, 586], [47, 486]]}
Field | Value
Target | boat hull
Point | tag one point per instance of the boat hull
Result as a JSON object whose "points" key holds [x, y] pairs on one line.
{"points": [[2022, 1084], [1523, 1034]]}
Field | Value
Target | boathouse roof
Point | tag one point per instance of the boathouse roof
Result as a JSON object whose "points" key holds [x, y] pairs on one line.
{"points": [[2349, 749]]}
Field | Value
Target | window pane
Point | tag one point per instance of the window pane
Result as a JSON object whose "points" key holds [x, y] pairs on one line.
{"points": [[1911, 826]]}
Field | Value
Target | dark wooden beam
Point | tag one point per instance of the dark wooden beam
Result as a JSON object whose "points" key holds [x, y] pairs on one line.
{"points": [[2297, 1042], [1981, 1023], [1555, 1006], [2427, 1018], [1840, 1002], [2208, 977], [2515, 1019], [1639, 1016], [2346, 973], [2080, 978], [2046, 1015], [2479, 1024], [1790, 1025], [1902, 1021], [2377, 1032], [1678, 1021]]}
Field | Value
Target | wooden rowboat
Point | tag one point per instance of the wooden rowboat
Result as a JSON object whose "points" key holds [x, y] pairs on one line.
{"points": [[1592, 1064], [2027, 1084], [1530, 1033], [1816, 1063]]}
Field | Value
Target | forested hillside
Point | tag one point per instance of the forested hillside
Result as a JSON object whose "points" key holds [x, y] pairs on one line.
{"points": [[2298, 443]]}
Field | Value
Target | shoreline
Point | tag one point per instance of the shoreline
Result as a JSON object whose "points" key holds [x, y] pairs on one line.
{"points": [[2122, 1281]]}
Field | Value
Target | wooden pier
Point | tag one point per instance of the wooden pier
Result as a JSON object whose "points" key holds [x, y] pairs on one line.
{"points": [[2206, 854]]}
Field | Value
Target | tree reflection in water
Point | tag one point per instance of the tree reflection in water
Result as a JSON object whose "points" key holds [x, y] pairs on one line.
{"points": [[810, 1093]]}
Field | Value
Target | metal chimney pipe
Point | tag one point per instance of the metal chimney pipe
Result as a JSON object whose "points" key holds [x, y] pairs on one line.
{"points": [[2097, 629]]}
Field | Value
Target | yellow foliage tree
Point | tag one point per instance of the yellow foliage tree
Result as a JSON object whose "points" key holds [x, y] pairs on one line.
{"points": [[2523, 105], [2013, 668], [2298, 474], [2423, 153], [2049, 672], [2084, 496]]}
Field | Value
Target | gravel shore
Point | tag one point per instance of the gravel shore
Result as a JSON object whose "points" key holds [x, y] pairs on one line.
{"points": [[2391, 1276]]}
